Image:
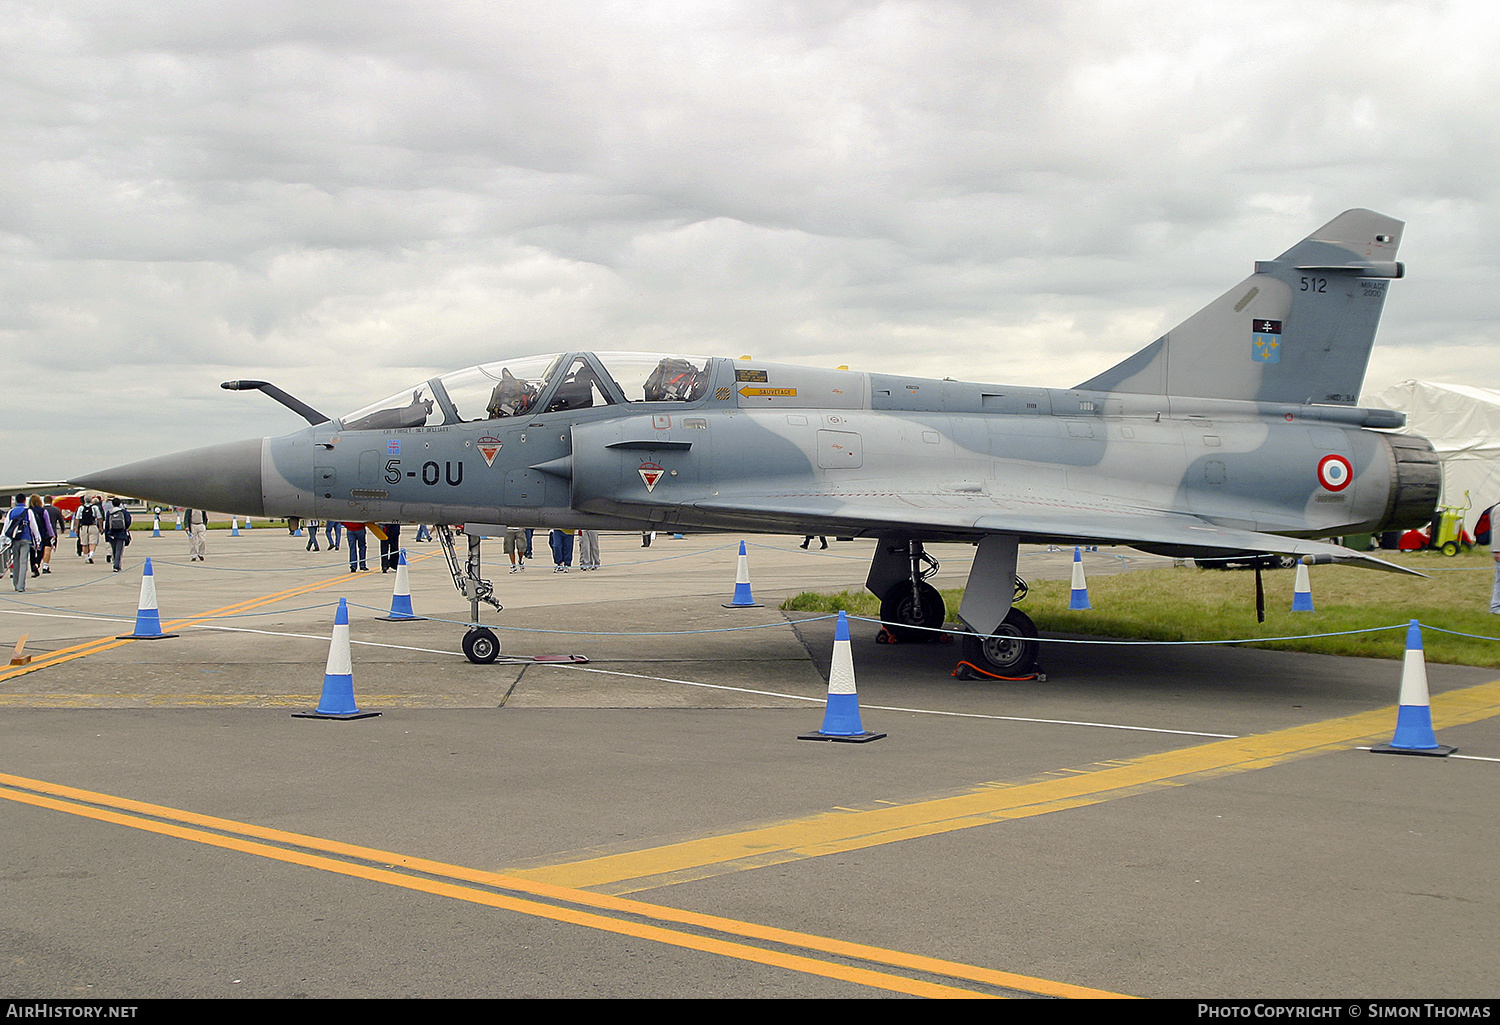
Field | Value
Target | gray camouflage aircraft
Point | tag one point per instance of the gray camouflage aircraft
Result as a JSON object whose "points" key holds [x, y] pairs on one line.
{"points": [[1236, 432]]}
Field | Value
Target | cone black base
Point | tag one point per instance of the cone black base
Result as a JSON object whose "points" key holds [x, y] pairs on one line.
{"points": [[334, 715], [857, 738], [1441, 751]]}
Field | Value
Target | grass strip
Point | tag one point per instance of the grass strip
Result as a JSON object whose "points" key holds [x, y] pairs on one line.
{"points": [[1185, 603]]}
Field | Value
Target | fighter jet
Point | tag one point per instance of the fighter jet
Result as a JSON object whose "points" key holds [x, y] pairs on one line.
{"points": [[1236, 432]]}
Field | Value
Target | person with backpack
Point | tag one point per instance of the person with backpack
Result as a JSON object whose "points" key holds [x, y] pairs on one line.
{"points": [[86, 523], [116, 529], [23, 531]]}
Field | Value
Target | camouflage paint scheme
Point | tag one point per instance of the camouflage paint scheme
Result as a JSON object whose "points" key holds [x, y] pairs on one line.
{"points": [[1235, 432]]}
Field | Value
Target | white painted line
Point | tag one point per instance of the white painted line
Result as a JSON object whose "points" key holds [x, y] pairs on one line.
{"points": [[821, 699]]}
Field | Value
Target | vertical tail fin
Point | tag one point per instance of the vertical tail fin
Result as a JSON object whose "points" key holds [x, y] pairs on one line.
{"points": [[1298, 330]]}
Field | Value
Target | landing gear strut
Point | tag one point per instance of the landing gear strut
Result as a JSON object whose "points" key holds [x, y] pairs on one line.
{"points": [[481, 646], [913, 609]]}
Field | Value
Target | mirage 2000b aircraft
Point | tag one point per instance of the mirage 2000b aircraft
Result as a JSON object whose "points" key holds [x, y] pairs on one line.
{"points": [[1236, 432]]}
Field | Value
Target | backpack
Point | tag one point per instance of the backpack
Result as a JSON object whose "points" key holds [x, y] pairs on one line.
{"points": [[1483, 526], [116, 519], [86, 516]]}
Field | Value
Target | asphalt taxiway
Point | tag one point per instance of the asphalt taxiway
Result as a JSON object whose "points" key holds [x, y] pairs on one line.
{"points": [[1179, 822]]}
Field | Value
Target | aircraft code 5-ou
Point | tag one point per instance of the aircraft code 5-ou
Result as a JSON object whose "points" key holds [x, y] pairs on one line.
{"points": [[453, 473]]}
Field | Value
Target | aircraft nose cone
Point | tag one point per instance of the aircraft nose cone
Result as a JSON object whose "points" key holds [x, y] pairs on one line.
{"points": [[222, 478]]}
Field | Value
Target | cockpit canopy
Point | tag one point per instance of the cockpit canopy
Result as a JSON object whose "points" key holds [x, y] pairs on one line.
{"points": [[538, 384]]}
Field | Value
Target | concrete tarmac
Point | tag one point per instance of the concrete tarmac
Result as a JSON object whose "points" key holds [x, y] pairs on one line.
{"points": [[1151, 821]]}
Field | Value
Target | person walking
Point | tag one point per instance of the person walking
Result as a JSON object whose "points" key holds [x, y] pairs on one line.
{"points": [[588, 550], [390, 547], [55, 524], [515, 547], [197, 532], [86, 521], [46, 539], [562, 550], [312, 535], [116, 529], [22, 531], [354, 538], [333, 532]]}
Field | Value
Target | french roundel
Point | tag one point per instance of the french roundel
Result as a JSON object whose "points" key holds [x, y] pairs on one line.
{"points": [[1334, 473]]}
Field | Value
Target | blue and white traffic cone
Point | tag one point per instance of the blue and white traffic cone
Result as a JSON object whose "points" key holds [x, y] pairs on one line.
{"points": [[234, 526], [742, 598], [337, 701], [401, 597], [841, 719], [1302, 593], [1080, 598], [248, 524], [156, 525], [1414, 734], [147, 618]]}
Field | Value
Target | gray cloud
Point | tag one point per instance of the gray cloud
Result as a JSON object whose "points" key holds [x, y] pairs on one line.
{"points": [[341, 197]]}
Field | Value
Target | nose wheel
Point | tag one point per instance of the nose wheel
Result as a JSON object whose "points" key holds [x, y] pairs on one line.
{"points": [[481, 646]]}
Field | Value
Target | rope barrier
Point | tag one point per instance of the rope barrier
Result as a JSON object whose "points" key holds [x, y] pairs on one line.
{"points": [[811, 618]]}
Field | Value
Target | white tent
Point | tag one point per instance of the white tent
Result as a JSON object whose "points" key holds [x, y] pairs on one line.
{"points": [[1463, 424]]}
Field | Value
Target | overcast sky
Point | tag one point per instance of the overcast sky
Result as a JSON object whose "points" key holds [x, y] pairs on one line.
{"points": [[345, 197]]}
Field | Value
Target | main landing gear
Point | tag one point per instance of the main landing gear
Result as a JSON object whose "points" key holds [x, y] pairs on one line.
{"points": [[912, 610], [1009, 653]]}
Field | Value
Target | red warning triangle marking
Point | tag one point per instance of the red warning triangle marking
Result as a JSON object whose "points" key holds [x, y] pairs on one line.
{"points": [[650, 474], [488, 447]]}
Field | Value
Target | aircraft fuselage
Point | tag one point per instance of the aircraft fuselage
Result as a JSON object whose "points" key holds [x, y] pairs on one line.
{"points": [[946, 447]]}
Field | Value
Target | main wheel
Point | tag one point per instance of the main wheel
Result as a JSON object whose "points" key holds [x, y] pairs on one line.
{"points": [[900, 610], [1010, 652], [481, 646]]}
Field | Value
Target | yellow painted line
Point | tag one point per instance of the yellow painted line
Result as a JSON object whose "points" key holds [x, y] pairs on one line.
{"points": [[81, 650], [246, 700], [132, 814], [836, 831]]}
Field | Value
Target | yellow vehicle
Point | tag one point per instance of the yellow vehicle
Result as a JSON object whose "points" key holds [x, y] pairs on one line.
{"points": [[1448, 529]]}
